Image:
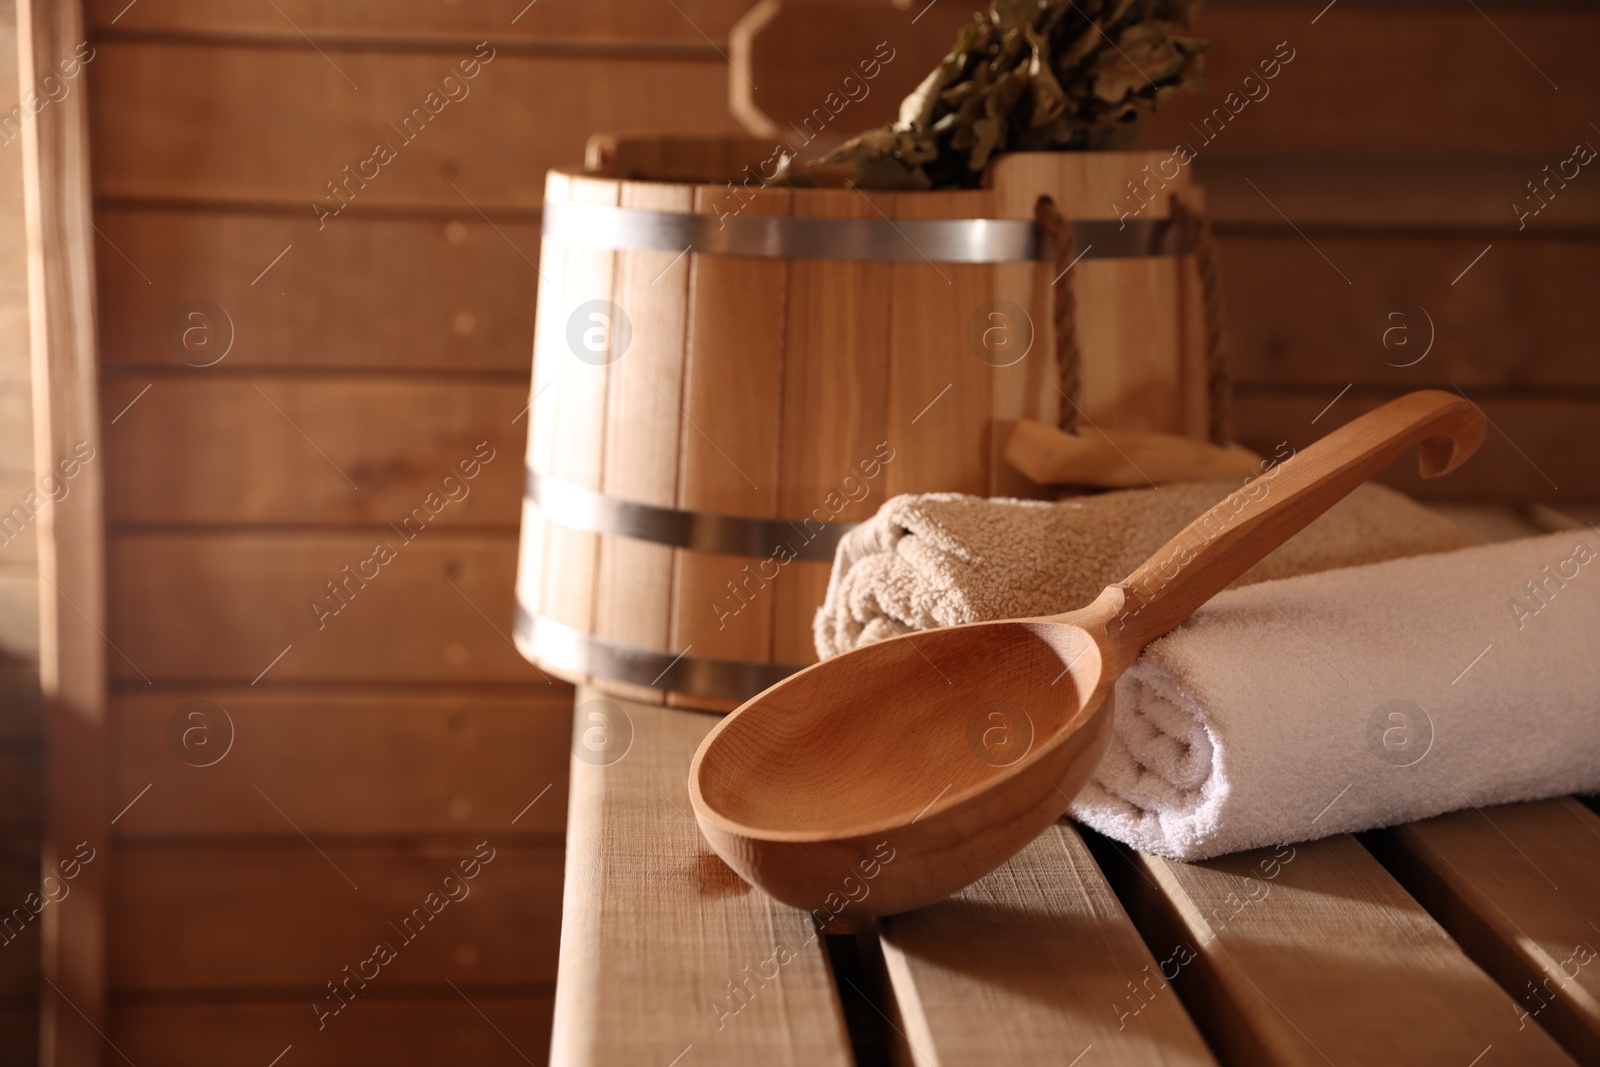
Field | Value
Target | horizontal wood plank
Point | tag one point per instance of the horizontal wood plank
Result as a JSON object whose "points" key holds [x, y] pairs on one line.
{"points": [[1528, 455], [1467, 85], [513, 1030], [1389, 77], [1380, 192], [348, 764], [1516, 885], [19, 622], [662, 945], [291, 919], [19, 1026], [1313, 954], [453, 292], [1032, 964], [815, 72], [1521, 317], [20, 930], [248, 125], [420, 455], [21, 711], [21, 789], [401, 21], [238, 607]]}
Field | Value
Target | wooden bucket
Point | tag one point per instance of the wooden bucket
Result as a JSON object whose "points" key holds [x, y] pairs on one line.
{"points": [[727, 377]]}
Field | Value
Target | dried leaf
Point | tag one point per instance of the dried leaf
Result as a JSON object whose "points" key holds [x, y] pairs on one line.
{"points": [[889, 173], [1049, 100], [863, 146], [917, 108], [1033, 75], [785, 176], [985, 139]]}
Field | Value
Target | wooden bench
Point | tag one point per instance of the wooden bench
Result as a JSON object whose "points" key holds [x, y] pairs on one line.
{"points": [[1468, 939]]}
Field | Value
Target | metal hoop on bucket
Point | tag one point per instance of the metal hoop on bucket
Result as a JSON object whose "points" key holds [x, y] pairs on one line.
{"points": [[581, 654], [579, 508], [602, 226]]}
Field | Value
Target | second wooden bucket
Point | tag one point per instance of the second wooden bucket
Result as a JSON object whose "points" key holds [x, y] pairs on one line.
{"points": [[727, 377]]}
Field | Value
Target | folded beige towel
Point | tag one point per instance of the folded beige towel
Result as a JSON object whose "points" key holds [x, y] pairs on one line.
{"points": [[944, 558], [1358, 698]]}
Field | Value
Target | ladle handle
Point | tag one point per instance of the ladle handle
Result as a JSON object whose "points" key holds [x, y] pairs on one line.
{"points": [[1212, 552]]}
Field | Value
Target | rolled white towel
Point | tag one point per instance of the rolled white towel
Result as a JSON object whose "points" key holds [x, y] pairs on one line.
{"points": [[1358, 698]]}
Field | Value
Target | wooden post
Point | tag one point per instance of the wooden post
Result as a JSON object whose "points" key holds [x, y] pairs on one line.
{"points": [[72, 648]]}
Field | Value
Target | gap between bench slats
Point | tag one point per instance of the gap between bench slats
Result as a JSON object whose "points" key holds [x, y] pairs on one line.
{"points": [[1313, 954], [1519, 887], [1037, 963]]}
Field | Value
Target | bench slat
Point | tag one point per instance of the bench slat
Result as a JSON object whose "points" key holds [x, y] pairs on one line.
{"points": [[467, 1025], [1036, 963], [1312, 953], [1519, 887], [665, 952]]}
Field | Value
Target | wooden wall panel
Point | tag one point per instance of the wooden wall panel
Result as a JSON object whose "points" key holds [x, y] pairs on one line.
{"points": [[1523, 316], [21, 786], [1460, 78], [380, 294], [19, 956], [683, 22], [1391, 194], [349, 764], [512, 1031], [19, 1026], [222, 607], [1393, 77], [884, 50], [234, 124], [21, 725], [1533, 451], [276, 451], [290, 919], [211, 106]]}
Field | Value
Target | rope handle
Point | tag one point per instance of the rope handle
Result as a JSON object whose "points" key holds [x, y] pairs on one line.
{"points": [[1064, 309], [1064, 314]]}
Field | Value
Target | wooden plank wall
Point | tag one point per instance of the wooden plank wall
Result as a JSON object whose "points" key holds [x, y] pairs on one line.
{"points": [[363, 352], [21, 760], [1364, 205]]}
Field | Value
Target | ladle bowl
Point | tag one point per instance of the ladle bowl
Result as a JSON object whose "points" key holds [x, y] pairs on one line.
{"points": [[900, 772]]}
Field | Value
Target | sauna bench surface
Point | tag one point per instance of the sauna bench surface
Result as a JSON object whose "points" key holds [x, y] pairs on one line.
{"points": [[1472, 934], [1467, 940]]}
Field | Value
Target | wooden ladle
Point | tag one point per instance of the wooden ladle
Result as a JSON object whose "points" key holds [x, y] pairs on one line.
{"points": [[902, 771]]}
